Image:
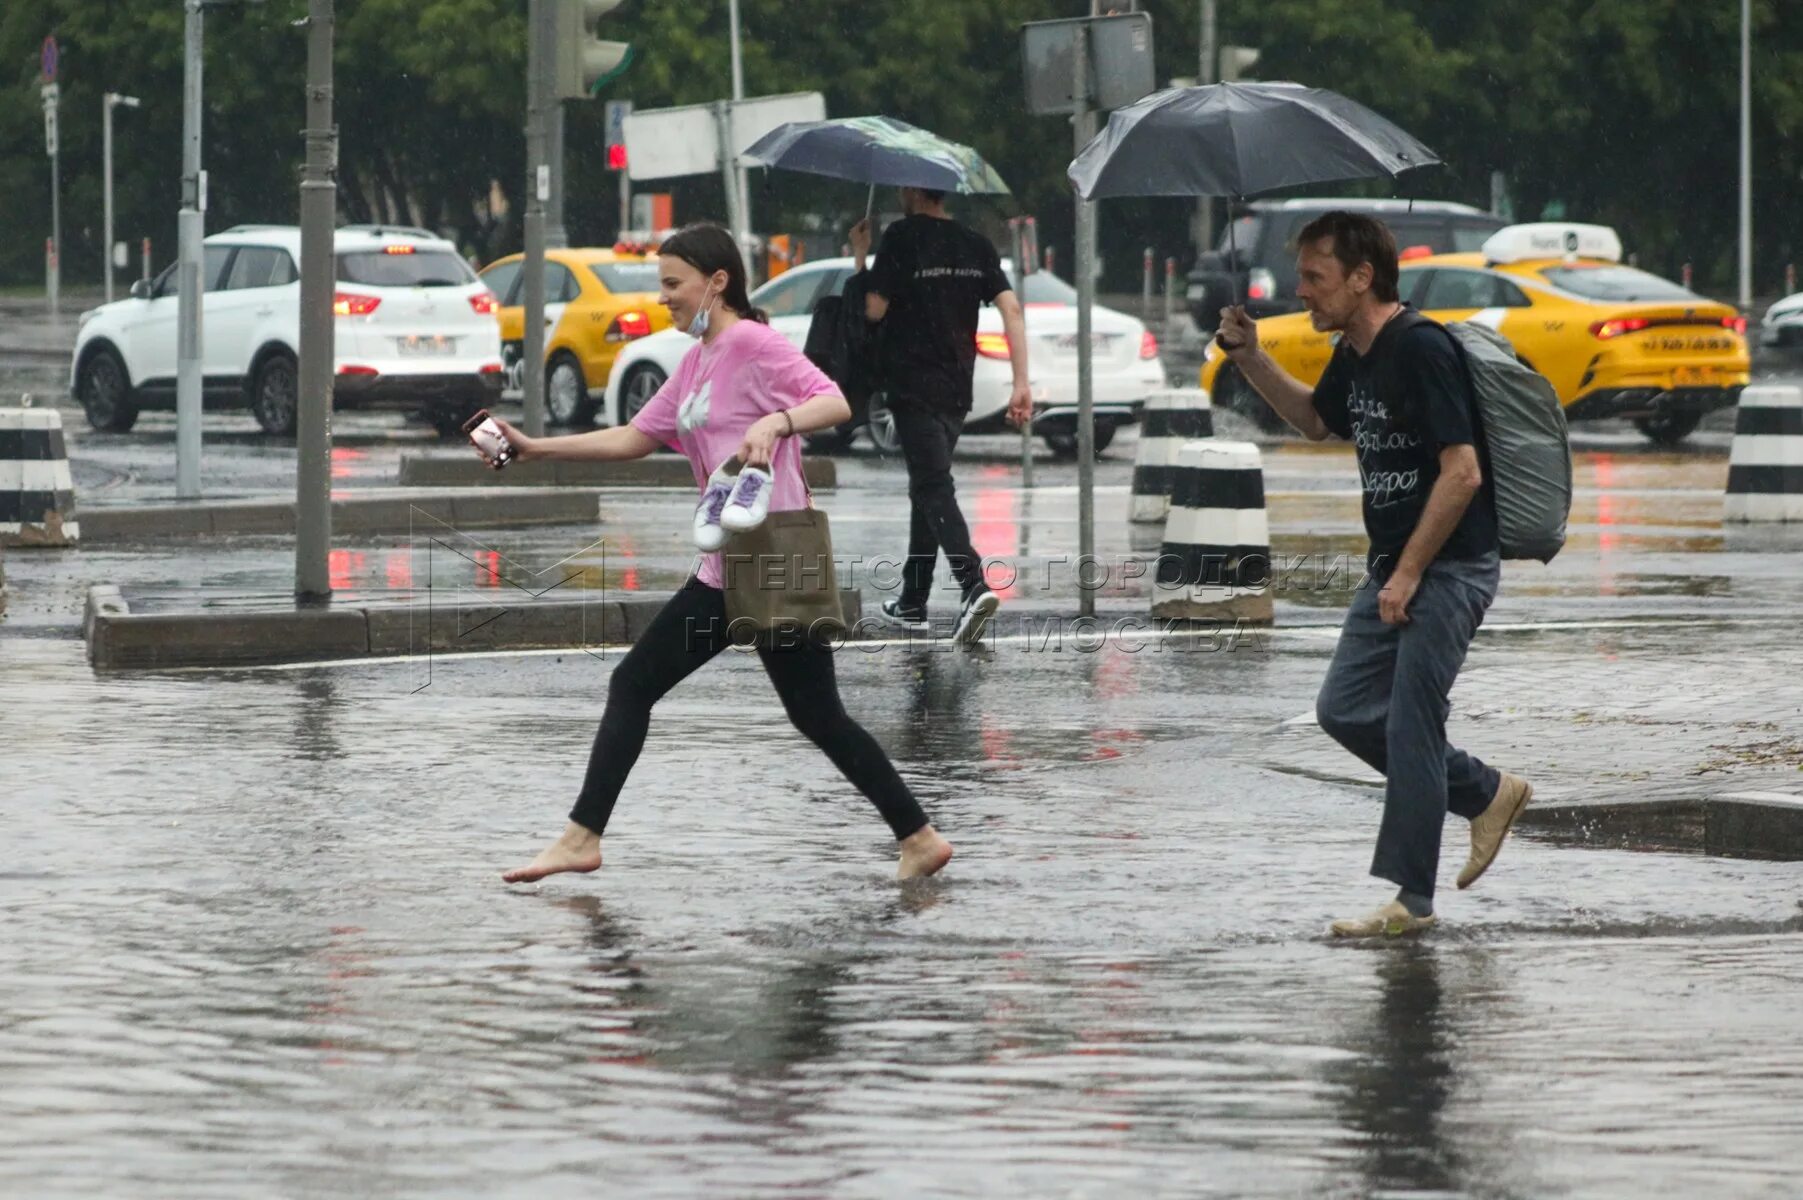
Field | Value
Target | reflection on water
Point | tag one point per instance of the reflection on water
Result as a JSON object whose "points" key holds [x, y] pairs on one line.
{"points": [[254, 945]]}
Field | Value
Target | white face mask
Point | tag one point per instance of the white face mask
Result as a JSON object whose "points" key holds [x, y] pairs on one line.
{"points": [[699, 322]]}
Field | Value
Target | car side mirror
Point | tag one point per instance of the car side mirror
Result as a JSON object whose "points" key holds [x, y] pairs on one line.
{"points": [[140, 289]]}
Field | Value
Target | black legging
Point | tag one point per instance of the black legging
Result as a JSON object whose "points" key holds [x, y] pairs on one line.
{"points": [[685, 634]]}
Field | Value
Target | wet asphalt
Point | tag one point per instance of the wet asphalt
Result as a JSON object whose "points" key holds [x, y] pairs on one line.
{"points": [[256, 942]]}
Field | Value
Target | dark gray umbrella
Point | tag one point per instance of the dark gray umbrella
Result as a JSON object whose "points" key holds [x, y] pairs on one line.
{"points": [[1241, 139]]}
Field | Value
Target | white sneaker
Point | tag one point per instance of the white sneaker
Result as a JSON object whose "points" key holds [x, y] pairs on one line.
{"points": [[973, 619], [709, 536], [749, 503]]}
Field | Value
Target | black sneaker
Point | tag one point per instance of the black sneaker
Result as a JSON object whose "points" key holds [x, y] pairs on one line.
{"points": [[979, 605], [909, 617]]}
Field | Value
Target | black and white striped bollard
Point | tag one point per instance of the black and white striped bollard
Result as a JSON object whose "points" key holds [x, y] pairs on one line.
{"points": [[1765, 462], [1216, 560], [1169, 419], [37, 494]]}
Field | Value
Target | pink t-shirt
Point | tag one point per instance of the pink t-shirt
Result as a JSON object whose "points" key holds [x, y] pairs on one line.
{"points": [[717, 392]]}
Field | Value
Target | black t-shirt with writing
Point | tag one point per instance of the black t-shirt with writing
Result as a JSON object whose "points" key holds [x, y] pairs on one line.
{"points": [[1400, 404], [935, 274]]}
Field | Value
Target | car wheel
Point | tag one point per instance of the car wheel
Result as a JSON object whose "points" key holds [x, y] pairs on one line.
{"points": [[1668, 429], [1064, 445], [566, 393], [883, 434], [640, 385], [1234, 394], [105, 392], [275, 395]]}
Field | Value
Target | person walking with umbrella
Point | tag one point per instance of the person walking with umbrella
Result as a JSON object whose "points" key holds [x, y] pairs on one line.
{"points": [[740, 397], [1397, 388], [932, 274]]}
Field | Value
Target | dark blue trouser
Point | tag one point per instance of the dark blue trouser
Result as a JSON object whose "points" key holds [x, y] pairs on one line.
{"points": [[1385, 699]]}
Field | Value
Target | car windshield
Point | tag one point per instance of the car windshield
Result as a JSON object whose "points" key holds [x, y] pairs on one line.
{"points": [[420, 268], [1615, 283], [619, 277], [1043, 287]]}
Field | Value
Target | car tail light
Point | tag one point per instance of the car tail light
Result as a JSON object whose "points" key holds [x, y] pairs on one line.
{"points": [[1260, 284], [1604, 330], [348, 304], [628, 325], [992, 345], [1737, 324], [1148, 345], [1414, 252], [492, 368], [353, 369], [484, 303], [400, 248]]}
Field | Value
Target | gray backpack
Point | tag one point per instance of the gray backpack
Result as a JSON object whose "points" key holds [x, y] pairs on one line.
{"points": [[1525, 438]]}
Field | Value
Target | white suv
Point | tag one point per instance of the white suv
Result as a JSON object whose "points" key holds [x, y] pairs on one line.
{"points": [[416, 330]]}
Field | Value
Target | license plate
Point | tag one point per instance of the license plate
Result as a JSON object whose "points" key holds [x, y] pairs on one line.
{"points": [[1097, 341], [426, 347], [1696, 376]]}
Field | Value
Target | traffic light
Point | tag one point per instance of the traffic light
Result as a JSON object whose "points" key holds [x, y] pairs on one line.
{"points": [[584, 61], [1236, 61]]}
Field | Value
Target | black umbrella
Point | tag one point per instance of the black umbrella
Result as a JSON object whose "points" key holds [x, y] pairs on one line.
{"points": [[1241, 139], [875, 150]]}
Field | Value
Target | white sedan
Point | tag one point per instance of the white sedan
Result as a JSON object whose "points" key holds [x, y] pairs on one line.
{"points": [[1782, 325], [1126, 360]]}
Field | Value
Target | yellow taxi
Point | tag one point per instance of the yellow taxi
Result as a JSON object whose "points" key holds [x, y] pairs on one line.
{"points": [[596, 301], [1614, 340]]}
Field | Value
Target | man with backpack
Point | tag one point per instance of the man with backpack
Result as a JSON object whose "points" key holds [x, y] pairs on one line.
{"points": [[1398, 388]]}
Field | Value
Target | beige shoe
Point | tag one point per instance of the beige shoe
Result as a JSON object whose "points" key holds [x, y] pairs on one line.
{"points": [[1490, 827], [1392, 920]]}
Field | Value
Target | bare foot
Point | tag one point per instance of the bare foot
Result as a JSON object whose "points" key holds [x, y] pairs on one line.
{"points": [[579, 849], [923, 852]]}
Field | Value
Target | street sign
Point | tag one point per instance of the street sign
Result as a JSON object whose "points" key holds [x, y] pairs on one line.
{"points": [[662, 143], [49, 92], [1120, 62], [47, 60]]}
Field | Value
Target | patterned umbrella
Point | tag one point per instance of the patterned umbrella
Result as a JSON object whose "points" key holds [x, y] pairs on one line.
{"points": [[876, 150]]}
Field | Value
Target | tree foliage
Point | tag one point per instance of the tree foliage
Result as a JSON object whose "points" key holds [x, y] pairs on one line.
{"points": [[1619, 111]]}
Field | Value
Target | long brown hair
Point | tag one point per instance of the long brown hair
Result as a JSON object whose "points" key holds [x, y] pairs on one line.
{"points": [[709, 248]]}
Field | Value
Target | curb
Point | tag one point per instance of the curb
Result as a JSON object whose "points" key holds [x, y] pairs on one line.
{"points": [[364, 515], [1736, 824], [121, 640], [463, 470]]}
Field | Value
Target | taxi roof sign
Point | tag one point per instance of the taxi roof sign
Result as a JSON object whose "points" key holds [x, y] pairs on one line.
{"points": [[1552, 239]]}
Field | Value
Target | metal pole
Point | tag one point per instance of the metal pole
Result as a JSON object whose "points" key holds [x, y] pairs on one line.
{"points": [[1145, 299], [1746, 154], [625, 201], [318, 208], [56, 218], [741, 226], [1205, 74], [191, 228], [1022, 267], [555, 234], [1083, 122], [735, 214], [106, 186], [537, 192]]}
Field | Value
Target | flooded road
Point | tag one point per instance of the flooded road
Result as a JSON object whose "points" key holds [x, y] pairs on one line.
{"points": [[266, 952]]}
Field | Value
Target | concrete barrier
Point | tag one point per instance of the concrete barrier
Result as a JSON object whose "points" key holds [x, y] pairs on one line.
{"points": [[360, 515], [659, 470], [119, 639], [1172, 417], [1216, 560], [1765, 462], [37, 493]]}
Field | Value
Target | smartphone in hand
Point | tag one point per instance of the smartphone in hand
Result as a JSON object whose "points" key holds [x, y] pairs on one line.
{"points": [[488, 439]]}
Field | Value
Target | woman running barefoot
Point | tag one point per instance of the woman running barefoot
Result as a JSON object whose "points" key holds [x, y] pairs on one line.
{"points": [[742, 391]]}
